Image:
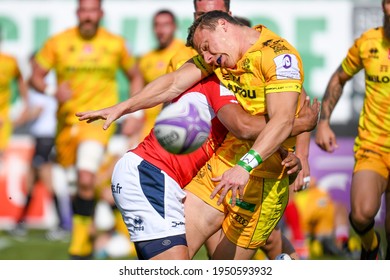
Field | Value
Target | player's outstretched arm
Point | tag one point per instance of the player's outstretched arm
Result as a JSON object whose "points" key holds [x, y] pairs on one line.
{"points": [[161, 90]]}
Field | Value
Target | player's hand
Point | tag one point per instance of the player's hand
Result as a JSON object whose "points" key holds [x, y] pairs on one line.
{"points": [[325, 137], [233, 179], [293, 163], [109, 114], [302, 179], [309, 113]]}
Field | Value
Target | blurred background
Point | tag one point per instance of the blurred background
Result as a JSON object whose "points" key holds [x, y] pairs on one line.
{"points": [[322, 31]]}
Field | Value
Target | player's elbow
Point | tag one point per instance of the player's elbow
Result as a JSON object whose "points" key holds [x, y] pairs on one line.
{"points": [[287, 124]]}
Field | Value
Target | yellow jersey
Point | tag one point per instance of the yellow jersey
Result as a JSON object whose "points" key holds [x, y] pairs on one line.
{"points": [[153, 65], [271, 65], [371, 52], [180, 58], [9, 71], [90, 68]]}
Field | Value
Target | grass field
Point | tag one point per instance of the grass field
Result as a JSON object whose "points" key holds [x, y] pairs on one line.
{"points": [[35, 246]]}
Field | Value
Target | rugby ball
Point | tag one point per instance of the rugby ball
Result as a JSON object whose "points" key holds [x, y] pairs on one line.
{"points": [[181, 127]]}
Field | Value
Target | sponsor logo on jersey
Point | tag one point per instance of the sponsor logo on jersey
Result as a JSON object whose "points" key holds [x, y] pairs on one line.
{"points": [[287, 67], [116, 188], [373, 53], [166, 242], [378, 79], [138, 224], [239, 219], [242, 91], [246, 64], [278, 46], [176, 224], [384, 68], [88, 69], [245, 205]]}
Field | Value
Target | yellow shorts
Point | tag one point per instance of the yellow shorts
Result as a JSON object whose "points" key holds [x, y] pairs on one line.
{"points": [[5, 134], [252, 220], [370, 160], [69, 138]]}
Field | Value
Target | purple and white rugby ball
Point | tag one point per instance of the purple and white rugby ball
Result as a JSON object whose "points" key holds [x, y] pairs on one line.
{"points": [[181, 127]]}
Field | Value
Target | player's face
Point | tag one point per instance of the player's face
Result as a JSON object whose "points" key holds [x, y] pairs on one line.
{"points": [[217, 47], [204, 6], [164, 29], [89, 14]]}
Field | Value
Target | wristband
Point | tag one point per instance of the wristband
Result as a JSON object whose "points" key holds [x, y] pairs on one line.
{"points": [[50, 90], [250, 160], [247, 167]]}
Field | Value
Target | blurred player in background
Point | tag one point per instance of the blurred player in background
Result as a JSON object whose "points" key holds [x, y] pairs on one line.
{"points": [[86, 59], [323, 221], [155, 63], [370, 179], [41, 120], [9, 74]]}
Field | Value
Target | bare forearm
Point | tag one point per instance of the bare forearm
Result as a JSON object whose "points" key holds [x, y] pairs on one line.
{"points": [[38, 84], [303, 145], [332, 95], [165, 88], [273, 135]]}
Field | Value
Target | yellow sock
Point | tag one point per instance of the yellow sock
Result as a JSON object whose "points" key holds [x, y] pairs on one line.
{"points": [[81, 241], [120, 225], [121, 228], [369, 240]]}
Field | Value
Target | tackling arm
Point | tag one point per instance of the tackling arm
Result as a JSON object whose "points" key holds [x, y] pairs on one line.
{"points": [[163, 89]]}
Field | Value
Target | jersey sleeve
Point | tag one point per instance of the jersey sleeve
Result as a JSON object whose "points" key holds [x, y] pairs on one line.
{"points": [[46, 55], [202, 65], [282, 71], [352, 63]]}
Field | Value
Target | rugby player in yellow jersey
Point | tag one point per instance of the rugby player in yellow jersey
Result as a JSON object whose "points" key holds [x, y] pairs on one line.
{"points": [[155, 63], [274, 244], [370, 179], [269, 73], [227, 45], [86, 59], [9, 72]]}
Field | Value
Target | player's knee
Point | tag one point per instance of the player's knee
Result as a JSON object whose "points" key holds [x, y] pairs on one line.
{"points": [[360, 224]]}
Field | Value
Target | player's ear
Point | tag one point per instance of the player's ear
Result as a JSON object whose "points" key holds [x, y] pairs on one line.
{"points": [[223, 23]]}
